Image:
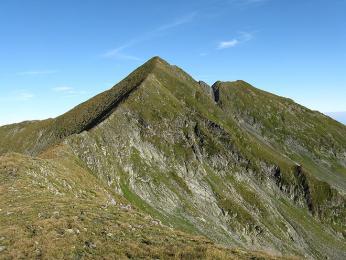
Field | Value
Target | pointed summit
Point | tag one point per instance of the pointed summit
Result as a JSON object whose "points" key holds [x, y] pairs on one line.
{"points": [[93, 111], [153, 62], [157, 59]]}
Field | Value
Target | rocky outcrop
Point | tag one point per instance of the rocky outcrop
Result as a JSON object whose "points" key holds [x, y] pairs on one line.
{"points": [[207, 89], [216, 91]]}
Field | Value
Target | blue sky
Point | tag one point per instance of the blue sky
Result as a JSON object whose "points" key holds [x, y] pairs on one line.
{"points": [[56, 54]]}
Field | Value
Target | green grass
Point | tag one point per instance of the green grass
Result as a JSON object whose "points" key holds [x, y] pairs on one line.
{"points": [[35, 222], [159, 123]]}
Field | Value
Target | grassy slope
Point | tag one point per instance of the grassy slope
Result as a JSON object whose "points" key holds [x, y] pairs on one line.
{"points": [[309, 138], [26, 137], [305, 136], [53, 207]]}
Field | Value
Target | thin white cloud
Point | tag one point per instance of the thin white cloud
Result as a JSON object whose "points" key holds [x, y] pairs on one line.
{"points": [[118, 54], [178, 22], [243, 37], [36, 72], [246, 36], [77, 92], [119, 51], [69, 91], [62, 89], [19, 95], [24, 96], [228, 44]]}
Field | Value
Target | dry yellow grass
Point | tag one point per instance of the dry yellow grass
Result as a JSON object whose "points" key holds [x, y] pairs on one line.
{"points": [[54, 209]]}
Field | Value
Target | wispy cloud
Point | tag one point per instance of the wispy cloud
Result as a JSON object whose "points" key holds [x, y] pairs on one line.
{"points": [[18, 95], [178, 22], [228, 44], [36, 72], [62, 89], [69, 91], [23, 96], [119, 51], [243, 37]]}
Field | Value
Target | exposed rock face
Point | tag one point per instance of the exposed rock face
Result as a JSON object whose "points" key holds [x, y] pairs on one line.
{"points": [[207, 160], [207, 89], [216, 91]]}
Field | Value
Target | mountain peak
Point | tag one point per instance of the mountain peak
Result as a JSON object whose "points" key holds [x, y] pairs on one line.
{"points": [[158, 139], [156, 60], [90, 113]]}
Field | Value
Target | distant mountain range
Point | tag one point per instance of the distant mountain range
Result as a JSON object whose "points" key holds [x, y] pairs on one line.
{"points": [[339, 116], [162, 166]]}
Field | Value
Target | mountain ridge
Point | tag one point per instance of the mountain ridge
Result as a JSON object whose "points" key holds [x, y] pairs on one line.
{"points": [[92, 110], [241, 171]]}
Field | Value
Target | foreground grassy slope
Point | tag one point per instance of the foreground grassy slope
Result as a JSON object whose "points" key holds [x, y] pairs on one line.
{"points": [[53, 207]]}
